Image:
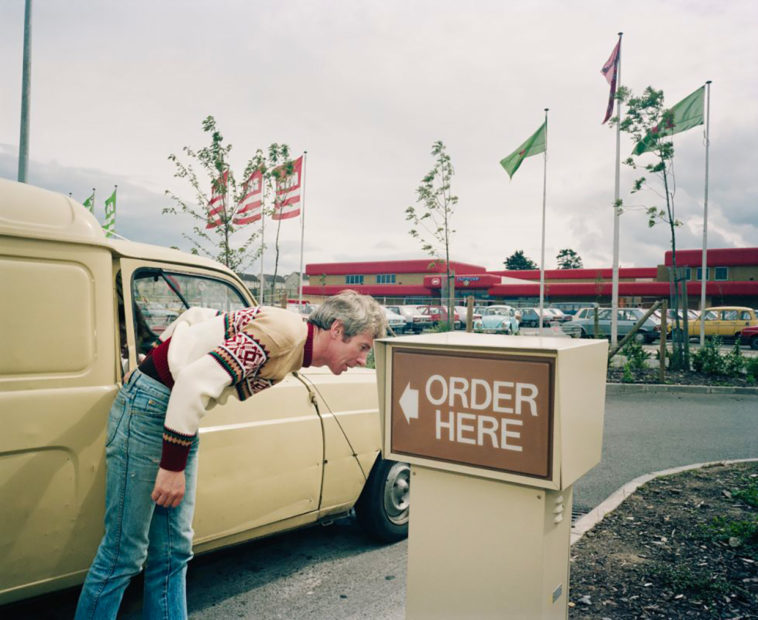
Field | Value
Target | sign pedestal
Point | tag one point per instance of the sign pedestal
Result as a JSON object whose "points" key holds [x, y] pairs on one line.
{"points": [[496, 429], [486, 549]]}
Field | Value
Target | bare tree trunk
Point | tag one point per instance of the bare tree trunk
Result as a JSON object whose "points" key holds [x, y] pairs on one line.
{"points": [[678, 358], [276, 260]]}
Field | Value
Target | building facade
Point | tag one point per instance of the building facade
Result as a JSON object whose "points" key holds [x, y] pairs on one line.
{"points": [[732, 279]]}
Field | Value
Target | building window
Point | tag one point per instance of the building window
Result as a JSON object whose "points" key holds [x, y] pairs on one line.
{"points": [[721, 273], [699, 273], [687, 273], [354, 279], [385, 278]]}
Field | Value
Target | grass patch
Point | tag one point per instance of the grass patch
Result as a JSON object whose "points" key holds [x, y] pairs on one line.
{"points": [[691, 581]]}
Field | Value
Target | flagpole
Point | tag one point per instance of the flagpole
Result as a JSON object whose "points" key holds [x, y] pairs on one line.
{"points": [[616, 213], [704, 259], [542, 251], [263, 245], [302, 233]]}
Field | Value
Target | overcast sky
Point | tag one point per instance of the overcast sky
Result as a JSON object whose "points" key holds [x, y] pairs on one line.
{"points": [[366, 87]]}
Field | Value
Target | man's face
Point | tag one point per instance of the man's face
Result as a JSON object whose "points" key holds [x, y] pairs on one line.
{"points": [[347, 353]]}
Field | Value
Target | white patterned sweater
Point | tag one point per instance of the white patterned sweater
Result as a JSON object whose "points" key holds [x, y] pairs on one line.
{"points": [[210, 354]]}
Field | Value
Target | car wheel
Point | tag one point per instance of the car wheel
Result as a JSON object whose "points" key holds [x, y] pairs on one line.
{"points": [[754, 342], [384, 505], [583, 333], [640, 338]]}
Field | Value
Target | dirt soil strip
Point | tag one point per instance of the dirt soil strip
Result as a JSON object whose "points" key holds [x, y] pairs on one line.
{"points": [[682, 543]]}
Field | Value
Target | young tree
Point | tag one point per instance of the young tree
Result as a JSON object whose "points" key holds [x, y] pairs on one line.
{"points": [[647, 121], [430, 221], [213, 163], [568, 259], [519, 262]]}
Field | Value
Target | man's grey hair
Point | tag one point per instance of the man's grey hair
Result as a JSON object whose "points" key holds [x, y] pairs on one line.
{"points": [[357, 313]]}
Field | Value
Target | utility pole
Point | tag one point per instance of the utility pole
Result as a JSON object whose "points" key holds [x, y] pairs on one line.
{"points": [[23, 143]]}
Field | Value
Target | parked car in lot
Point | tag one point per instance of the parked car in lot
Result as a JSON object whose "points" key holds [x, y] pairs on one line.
{"points": [[671, 318], [530, 317], [497, 319], [395, 321], [749, 336], [415, 321], [462, 312], [304, 451], [438, 314], [626, 319], [727, 322], [570, 308], [556, 314], [585, 312], [305, 308]]}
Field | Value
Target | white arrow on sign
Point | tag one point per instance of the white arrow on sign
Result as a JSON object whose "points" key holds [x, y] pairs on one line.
{"points": [[409, 403]]}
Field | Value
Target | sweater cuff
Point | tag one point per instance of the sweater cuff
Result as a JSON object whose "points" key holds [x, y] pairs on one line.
{"points": [[176, 448]]}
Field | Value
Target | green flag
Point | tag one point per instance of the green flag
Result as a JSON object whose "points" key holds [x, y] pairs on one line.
{"points": [[90, 202], [535, 144], [110, 214], [686, 114]]}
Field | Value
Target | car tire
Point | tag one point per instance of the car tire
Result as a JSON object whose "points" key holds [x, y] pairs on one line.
{"points": [[383, 507], [754, 342], [639, 337], [583, 333]]}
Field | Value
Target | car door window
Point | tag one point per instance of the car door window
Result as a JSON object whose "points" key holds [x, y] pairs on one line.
{"points": [[160, 296]]}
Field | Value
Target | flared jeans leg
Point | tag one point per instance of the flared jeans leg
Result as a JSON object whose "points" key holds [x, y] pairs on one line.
{"points": [[136, 530]]}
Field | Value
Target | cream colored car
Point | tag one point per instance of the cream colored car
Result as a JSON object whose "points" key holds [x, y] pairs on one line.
{"points": [[77, 311]]}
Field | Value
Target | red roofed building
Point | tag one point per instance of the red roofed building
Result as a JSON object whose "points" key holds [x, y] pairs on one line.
{"points": [[732, 279]]}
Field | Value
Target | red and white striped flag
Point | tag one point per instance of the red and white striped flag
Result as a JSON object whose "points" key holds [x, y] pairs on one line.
{"points": [[217, 204], [288, 191], [249, 209], [609, 70]]}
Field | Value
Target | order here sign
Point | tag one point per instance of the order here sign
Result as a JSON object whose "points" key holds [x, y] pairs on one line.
{"points": [[490, 411]]}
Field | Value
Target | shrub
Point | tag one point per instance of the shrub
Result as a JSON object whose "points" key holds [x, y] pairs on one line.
{"points": [[636, 356], [708, 360], [734, 361], [752, 368]]}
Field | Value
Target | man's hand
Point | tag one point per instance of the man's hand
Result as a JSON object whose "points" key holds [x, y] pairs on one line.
{"points": [[169, 488]]}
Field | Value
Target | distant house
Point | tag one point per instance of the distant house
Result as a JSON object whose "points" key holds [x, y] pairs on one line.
{"points": [[292, 284], [252, 282]]}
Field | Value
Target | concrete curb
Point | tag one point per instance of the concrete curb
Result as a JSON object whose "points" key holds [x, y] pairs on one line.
{"points": [[656, 388], [596, 515]]}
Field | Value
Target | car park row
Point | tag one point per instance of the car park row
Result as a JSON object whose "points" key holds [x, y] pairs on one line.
{"points": [[729, 323]]}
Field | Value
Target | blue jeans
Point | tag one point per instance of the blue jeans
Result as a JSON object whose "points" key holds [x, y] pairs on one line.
{"points": [[135, 528]]}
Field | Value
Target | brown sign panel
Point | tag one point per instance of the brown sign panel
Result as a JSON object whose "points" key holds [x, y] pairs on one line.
{"points": [[489, 411]]}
